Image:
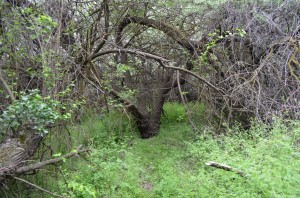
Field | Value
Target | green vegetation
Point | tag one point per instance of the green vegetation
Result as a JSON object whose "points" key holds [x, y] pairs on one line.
{"points": [[90, 96], [30, 112], [269, 156], [173, 164]]}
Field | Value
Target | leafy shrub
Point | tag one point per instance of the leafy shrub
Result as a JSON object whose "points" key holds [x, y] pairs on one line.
{"points": [[173, 112], [31, 112]]}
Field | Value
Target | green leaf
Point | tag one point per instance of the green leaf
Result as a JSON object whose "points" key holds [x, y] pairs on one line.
{"points": [[56, 155]]}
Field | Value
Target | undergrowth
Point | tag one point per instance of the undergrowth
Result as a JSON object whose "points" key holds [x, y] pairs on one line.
{"points": [[173, 164]]}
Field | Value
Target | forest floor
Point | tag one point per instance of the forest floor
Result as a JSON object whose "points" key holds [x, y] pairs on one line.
{"points": [[164, 169], [173, 163]]}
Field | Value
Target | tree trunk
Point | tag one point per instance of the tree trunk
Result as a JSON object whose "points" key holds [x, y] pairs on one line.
{"points": [[149, 125], [144, 123]]}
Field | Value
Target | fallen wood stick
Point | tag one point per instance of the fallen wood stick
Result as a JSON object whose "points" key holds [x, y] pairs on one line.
{"points": [[35, 186], [225, 167], [38, 165]]}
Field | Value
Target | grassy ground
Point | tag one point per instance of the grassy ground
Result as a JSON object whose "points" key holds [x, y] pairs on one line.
{"points": [[143, 168], [173, 164]]}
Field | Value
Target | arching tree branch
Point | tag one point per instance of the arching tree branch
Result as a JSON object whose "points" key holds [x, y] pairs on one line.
{"points": [[130, 51], [170, 31], [162, 62]]}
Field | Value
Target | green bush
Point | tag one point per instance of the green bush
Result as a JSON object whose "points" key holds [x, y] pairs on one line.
{"points": [[31, 112]]}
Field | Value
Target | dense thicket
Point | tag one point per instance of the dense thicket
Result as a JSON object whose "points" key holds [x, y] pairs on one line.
{"points": [[241, 57], [259, 71]]}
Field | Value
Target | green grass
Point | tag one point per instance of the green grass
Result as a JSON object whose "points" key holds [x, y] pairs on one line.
{"points": [[172, 164], [268, 156]]}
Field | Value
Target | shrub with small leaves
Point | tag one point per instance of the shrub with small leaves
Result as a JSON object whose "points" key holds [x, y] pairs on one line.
{"points": [[31, 112]]}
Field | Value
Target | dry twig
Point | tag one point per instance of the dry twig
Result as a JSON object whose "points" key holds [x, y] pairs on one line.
{"points": [[225, 167], [39, 165], [37, 187]]}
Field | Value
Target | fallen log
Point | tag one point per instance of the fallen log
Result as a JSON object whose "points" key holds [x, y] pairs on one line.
{"points": [[225, 167]]}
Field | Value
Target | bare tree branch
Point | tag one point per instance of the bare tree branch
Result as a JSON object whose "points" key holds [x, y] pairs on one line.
{"points": [[105, 8], [130, 51], [170, 31], [12, 98], [160, 60], [220, 91], [37, 187], [38, 165]]}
